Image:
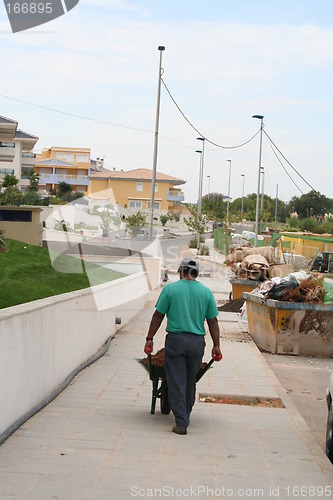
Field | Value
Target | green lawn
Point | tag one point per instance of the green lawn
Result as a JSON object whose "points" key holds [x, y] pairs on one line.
{"points": [[26, 274]]}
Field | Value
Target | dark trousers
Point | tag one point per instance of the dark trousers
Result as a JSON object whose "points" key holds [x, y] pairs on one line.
{"points": [[182, 361]]}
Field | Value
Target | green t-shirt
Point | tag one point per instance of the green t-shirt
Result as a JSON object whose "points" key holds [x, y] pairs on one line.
{"points": [[187, 303]]}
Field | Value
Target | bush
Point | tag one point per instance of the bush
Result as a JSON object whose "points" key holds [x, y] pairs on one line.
{"points": [[193, 242], [164, 219], [203, 250]]}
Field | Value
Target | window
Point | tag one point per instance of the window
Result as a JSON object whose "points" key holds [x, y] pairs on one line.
{"points": [[156, 188], [139, 186], [69, 157], [157, 205], [82, 158], [16, 215], [135, 204]]}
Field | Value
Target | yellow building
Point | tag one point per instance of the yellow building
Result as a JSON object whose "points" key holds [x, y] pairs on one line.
{"points": [[70, 165], [132, 189]]}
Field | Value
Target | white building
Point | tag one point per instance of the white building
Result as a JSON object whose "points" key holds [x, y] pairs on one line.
{"points": [[16, 156]]}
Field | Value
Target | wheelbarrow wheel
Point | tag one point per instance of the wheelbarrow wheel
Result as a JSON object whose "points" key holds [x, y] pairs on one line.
{"points": [[164, 400]]}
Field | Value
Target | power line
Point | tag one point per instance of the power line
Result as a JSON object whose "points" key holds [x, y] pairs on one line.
{"points": [[198, 131], [82, 117], [292, 180], [306, 182]]}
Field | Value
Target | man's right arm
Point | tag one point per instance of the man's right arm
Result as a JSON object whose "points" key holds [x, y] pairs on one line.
{"points": [[155, 323]]}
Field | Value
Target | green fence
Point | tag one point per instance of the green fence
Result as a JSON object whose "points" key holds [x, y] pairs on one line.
{"points": [[222, 241]]}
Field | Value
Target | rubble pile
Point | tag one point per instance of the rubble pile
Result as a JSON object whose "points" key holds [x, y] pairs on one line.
{"points": [[309, 290], [158, 359]]}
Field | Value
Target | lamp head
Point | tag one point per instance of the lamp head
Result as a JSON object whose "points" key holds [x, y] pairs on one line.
{"points": [[161, 47], [260, 117]]}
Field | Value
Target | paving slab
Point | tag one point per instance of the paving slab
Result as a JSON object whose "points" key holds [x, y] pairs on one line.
{"points": [[98, 440]]}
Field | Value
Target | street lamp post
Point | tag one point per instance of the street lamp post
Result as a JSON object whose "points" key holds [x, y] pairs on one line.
{"points": [[262, 195], [261, 118], [208, 177], [242, 175], [202, 155], [228, 200], [153, 179]]}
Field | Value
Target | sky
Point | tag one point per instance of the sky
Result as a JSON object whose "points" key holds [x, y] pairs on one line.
{"points": [[223, 63]]}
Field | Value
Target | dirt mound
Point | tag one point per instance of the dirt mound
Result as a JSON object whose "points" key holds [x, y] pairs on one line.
{"points": [[232, 305], [158, 359]]}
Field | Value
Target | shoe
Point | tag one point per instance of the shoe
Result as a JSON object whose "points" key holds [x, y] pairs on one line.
{"points": [[179, 429]]}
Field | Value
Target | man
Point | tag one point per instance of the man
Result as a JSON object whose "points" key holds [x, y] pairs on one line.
{"points": [[186, 303]]}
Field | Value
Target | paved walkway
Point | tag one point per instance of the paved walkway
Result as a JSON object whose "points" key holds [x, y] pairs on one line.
{"points": [[98, 440]]}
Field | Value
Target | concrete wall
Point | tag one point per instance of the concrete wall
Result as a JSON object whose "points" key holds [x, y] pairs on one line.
{"points": [[27, 232], [42, 342]]}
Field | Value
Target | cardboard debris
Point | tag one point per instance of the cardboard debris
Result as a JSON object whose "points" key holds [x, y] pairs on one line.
{"points": [[280, 270]]}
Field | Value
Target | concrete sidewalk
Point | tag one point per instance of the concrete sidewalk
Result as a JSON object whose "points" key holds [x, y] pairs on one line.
{"points": [[98, 440]]}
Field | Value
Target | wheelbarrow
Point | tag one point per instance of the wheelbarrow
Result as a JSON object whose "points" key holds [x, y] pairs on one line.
{"points": [[160, 388]]}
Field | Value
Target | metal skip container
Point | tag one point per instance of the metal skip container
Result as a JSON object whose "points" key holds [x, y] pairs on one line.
{"points": [[279, 327]]}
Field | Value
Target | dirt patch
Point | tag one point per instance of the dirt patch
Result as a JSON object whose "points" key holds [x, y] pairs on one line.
{"points": [[232, 305], [250, 401]]}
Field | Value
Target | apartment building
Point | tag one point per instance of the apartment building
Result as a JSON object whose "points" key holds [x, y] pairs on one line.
{"points": [[132, 189], [16, 155], [63, 164]]}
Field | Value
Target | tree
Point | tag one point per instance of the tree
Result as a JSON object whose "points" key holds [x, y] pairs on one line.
{"points": [[214, 205], [194, 225], [164, 219], [63, 189], [33, 181], [136, 222], [10, 180], [106, 220], [310, 204]]}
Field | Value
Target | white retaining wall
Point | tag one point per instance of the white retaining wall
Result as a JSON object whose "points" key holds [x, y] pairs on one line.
{"points": [[42, 342]]}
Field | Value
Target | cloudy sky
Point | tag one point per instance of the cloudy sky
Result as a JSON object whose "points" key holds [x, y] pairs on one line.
{"points": [[224, 62]]}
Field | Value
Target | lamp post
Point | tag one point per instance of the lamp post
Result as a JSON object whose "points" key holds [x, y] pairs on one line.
{"points": [[202, 155], [262, 195], [228, 200], [261, 118], [153, 179], [242, 175], [208, 177], [276, 204]]}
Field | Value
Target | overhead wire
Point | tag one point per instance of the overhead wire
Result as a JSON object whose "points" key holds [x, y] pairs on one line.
{"points": [[284, 168], [275, 146], [82, 117], [198, 131]]}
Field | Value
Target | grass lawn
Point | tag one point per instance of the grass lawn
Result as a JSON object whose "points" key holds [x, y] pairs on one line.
{"points": [[26, 274]]}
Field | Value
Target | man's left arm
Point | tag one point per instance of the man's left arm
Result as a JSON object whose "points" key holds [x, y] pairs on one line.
{"points": [[214, 331]]}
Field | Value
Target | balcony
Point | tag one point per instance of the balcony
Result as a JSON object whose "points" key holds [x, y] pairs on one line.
{"points": [[72, 180], [28, 160], [7, 151], [175, 196]]}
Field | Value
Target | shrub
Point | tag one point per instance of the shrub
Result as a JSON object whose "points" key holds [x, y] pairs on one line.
{"points": [[193, 242]]}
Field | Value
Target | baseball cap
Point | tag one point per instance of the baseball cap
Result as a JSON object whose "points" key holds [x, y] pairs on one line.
{"points": [[189, 263]]}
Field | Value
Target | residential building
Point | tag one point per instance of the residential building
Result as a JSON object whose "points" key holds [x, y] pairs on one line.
{"points": [[132, 189], [16, 156], [62, 164]]}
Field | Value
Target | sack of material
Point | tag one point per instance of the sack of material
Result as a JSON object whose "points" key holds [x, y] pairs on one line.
{"points": [[277, 290]]}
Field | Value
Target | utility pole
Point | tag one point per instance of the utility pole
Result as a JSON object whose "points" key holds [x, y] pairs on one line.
{"points": [[153, 179]]}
